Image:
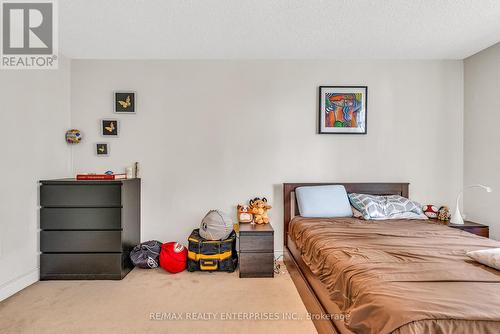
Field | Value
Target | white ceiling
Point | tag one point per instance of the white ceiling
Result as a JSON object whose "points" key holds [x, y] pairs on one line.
{"points": [[277, 29]]}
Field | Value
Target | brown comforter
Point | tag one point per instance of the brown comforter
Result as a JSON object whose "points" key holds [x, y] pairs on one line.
{"points": [[402, 276]]}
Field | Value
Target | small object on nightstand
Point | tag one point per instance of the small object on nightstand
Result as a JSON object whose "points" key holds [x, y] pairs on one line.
{"points": [[444, 214], [244, 214], [474, 228], [457, 218], [256, 250], [431, 211], [259, 208]]}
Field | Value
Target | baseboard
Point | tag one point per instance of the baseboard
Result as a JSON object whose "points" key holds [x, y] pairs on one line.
{"points": [[9, 288]]}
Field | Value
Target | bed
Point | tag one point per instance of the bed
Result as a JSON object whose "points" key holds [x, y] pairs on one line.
{"points": [[389, 276]]}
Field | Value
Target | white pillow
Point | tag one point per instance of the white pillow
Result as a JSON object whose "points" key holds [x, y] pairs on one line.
{"points": [[488, 257], [323, 201]]}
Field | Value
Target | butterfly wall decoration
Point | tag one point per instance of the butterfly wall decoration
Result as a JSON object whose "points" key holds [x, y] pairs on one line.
{"points": [[110, 127], [102, 149], [125, 102]]}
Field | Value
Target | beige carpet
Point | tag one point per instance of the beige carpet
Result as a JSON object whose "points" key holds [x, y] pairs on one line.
{"points": [[126, 306]]}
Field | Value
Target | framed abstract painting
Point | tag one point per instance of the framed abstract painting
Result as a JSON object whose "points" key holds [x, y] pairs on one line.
{"points": [[342, 109]]}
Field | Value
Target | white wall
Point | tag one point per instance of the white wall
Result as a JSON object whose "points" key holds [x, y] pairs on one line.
{"points": [[482, 135], [34, 114], [211, 134]]}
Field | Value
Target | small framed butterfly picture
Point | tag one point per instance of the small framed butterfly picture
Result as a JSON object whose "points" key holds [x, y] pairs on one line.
{"points": [[102, 149], [125, 102], [110, 127]]}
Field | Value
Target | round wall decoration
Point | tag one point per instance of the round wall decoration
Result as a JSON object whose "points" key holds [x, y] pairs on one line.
{"points": [[73, 136]]}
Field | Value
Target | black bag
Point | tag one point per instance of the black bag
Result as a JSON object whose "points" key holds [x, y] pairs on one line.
{"points": [[210, 255], [146, 255]]}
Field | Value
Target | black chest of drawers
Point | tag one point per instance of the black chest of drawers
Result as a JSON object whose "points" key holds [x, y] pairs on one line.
{"points": [[88, 228]]}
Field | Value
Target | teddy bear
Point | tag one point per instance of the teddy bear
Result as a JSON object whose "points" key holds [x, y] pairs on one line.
{"points": [[244, 214], [444, 213], [259, 208]]}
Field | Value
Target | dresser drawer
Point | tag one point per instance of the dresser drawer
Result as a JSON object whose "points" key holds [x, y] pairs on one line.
{"points": [[80, 266], [80, 218], [80, 241], [259, 242], [80, 195], [256, 264]]}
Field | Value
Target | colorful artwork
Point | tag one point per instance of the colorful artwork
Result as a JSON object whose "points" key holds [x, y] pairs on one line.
{"points": [[73, 136], [342, 109]]}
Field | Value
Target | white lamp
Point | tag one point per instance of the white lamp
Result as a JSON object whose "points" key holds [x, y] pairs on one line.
{"points": [[457, 217]]}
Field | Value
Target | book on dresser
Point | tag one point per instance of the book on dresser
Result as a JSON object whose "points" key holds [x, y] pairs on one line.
{"points": [[88, 228], [86, 177]]}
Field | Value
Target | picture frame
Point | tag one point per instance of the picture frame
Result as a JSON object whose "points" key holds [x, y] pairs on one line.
{"points": [[110, 127], [343, 110], [102, 149], [125, 102]]}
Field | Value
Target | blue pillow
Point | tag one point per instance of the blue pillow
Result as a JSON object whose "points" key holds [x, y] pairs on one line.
{"points": [[323, 201]]}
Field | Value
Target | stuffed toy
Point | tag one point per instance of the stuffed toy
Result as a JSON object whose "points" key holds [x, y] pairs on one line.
{"points": [[259, 208], [431, 211], [444, 213], [244, 214]]}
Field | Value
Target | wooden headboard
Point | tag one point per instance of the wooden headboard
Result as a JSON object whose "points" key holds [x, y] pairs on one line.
{"points": [[290, 204]]}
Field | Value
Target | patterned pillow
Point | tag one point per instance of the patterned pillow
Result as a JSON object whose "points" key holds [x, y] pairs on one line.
{"points": [[384, 207], [488, 257]]}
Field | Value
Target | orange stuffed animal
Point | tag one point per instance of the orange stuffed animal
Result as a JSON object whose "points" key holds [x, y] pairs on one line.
{"points": [[259, 208], [244, 214]]}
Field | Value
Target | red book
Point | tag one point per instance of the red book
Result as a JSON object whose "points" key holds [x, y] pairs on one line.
{"points": [[81, 177]]}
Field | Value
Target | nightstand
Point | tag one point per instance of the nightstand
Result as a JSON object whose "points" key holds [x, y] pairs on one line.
{"points": [[474, 228], [256, 250]]}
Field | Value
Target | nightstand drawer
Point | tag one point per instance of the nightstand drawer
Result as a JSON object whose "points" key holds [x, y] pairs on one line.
{"points": [[80, 241], [80, 219], [259, 242], [80, 195], [256, 264], [480, 231], [472, 227]]}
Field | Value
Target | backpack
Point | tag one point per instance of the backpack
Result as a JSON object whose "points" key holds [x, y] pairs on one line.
{"points": [[146, 255]]}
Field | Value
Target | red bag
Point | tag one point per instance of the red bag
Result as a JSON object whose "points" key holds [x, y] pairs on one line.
{"points": [[173, 257]]}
